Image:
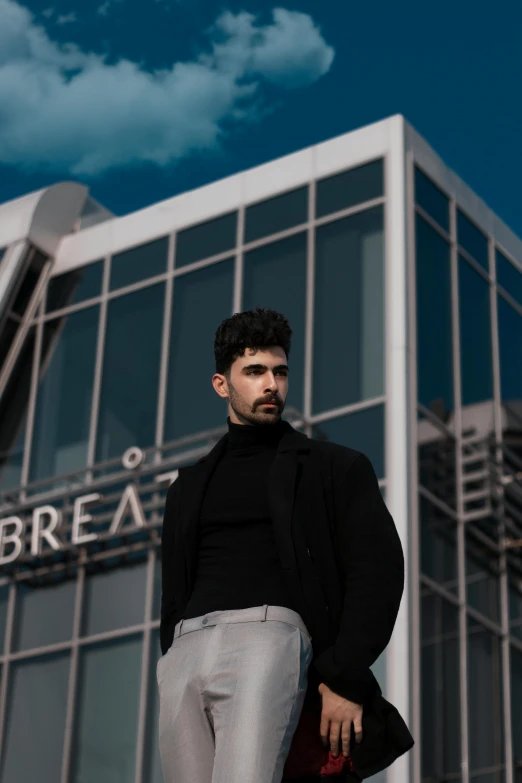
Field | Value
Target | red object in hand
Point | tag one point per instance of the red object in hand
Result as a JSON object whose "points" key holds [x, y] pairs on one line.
{"points": [[307, 756]]}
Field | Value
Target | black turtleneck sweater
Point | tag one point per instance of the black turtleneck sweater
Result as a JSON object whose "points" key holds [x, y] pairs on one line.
{"points": [[238, 563]]}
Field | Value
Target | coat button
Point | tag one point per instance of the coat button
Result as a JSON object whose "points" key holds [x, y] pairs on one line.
{"points": [[310, 555], [205, 621], [327, 608]]}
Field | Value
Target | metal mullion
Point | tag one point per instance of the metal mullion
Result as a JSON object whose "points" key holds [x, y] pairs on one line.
{"points": [[503, 562], [432, 222], [31, 409], [414, 496], [98, 369], [239, 266], [461, 541], [145, 666], [349, 211], [309, 314], [195, 266], [443, 428], [484, 621], [73, 676], [74, 308], [436, 501], [36, 652], [165, 348], [439, 589], [474, 263], [517, 263], [11, 605], [138, 286], [509, 299], [353, 407]]}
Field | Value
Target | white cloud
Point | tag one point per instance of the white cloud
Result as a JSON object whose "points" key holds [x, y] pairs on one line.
{"points": [[104, 8], [67, 18], [63, 109]]}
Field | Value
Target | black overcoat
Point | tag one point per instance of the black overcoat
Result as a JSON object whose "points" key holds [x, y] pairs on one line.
{"points": [[344, 565]]}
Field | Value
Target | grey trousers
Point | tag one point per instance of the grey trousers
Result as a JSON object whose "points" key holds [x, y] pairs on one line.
{"points": [[231, 689]]}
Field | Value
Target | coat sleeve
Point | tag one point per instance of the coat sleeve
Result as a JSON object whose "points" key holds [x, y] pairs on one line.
{"points": [[372, 571], [168, 603]]}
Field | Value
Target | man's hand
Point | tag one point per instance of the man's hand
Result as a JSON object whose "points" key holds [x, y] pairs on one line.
{"points": [[337, 717]]}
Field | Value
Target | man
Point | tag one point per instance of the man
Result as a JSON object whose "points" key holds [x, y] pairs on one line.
{"points": [[282, 574]]}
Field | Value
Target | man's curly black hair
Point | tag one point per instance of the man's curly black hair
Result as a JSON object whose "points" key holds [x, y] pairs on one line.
{"points": [[259, 328]]}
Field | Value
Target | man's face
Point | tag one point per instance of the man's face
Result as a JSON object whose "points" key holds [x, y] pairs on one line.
{"points": [[259, 376]]}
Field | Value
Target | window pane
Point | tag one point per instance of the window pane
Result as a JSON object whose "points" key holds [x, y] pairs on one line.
{"points": [[482, 577], [349, 311], [36, 720], [439, 687], [437, 452], [510, 339], [509, 277], [13, 409], [63, 410], [276, 214], [131, 368], [438, 545], [349, 188], [152, 772], [104, 746], [114, 599], [434, 345], [431, 199], [43, 614], [206, 239], [275, 277], [80, 284], [516, 705], [4, 595], [138, 263], [363, 431], [472, 239], [475, 335], [515, 608], [202, 299], [485, 713]]}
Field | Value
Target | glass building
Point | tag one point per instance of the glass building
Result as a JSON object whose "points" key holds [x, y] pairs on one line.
{"points": [[404, 292]]}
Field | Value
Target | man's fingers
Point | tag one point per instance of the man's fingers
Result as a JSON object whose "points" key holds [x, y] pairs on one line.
{"points": [[335, 733], [324, 730], [346, 731], [357, 727]]}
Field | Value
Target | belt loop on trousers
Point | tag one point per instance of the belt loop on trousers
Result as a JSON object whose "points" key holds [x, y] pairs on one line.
{"points": [[265, 607]]}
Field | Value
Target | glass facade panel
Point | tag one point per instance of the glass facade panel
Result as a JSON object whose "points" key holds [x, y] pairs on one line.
{"points": [[349, 311], [206, 239], [363, 431], [75, 286], [436, 454], [43, 615], [202, 299], [472, 239], [349, 188], [4, 595], [36, 708], [510, 345], [439, 688], [482, 577], [114, 599], [434, 345], [438, 539], [275, 277], [431, 199], [276, 214], [63, 410], [509, 277], [485, 713], [475, 335], [104, 746], [516, 709], [138, 263], [152, 771], [131, 368]]}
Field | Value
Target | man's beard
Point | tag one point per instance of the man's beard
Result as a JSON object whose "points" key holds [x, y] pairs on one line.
{"points": [[257, 414]]}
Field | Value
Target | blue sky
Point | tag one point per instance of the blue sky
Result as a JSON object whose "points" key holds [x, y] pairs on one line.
{"points": [[144, 99]]}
